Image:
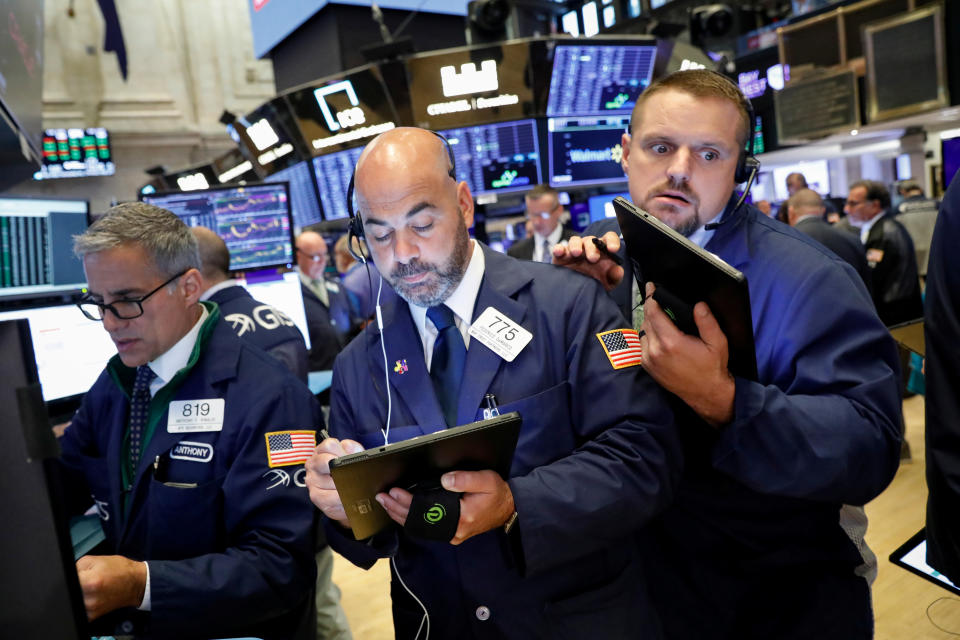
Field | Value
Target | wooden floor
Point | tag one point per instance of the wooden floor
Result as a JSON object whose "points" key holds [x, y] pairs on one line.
{"points": [[902, 601]]}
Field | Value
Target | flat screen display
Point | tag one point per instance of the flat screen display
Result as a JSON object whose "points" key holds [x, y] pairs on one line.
{"points": [[304, 204], [596, 79], [254, 221], [36, 246], [76, 153], [462, 87], [586, 150], [333, 173], [497, 158], [71, 350], [269, 140], [337, 113], [601, 207], [816, 172]]}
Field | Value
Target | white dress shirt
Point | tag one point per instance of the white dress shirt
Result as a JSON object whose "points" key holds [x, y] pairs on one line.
{"points": [[461, 302], [552, 239]]}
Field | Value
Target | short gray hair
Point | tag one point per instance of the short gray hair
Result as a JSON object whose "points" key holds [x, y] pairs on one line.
{"points": [[164, 237]]}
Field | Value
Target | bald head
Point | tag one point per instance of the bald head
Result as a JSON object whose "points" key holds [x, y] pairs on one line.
{"points": [[795, 182], [312, 254], [803, 203], [415, 214], [214, 256]]}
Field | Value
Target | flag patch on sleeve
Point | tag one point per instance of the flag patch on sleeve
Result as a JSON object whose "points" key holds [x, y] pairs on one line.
{"points": [[622, 347], [290, 447]]}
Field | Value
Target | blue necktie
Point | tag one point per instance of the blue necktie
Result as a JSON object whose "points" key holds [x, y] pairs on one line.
{"points": [[446, 366], [546, 256], [139, 410]]}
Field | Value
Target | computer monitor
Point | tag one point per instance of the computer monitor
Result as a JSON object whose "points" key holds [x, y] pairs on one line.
{"points": [[586, 150], [70, 349], [254, 221], [76, 153], [816, 173], [42, 598], [497, 158], [304, 201], [36, 246], [599, 78], [333, 172], [601, 206]]}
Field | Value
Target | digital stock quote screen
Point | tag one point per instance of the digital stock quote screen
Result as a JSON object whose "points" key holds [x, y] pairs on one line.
{"points": [[497, 158]]}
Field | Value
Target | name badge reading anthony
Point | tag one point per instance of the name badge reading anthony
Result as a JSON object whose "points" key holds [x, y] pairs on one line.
{"points": [[500, 334], [191, 416]]}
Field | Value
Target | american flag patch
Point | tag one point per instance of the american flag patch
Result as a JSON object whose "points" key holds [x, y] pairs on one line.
{"points": [[622, 347], [290, 447]]}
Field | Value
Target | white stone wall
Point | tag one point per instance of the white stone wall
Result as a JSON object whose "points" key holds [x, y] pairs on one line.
{"points": [[187, 61]]}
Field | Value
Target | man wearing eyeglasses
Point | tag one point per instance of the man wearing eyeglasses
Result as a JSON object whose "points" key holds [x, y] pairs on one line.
{"points": [[543, 211], [191, 444], [329, 320]]}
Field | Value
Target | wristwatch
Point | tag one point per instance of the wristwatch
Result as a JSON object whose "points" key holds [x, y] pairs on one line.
{"points": [[511, 521]]}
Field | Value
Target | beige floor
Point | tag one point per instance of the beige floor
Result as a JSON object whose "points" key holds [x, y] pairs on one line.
{"points": [[901, 600]]}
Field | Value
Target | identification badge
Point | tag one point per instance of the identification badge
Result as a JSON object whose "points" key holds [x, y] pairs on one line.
{"points": [[191, 416], [500, 334]]}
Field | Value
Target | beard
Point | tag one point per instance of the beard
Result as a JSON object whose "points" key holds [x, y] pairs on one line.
{"points": [[433, 291], [684, 224]]}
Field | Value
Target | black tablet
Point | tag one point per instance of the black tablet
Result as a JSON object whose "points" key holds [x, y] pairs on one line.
{"points": [[912, 556], [686, 274], [488, 444], [910, 335]]}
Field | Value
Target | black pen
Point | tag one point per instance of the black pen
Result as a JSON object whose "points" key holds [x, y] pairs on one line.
{"points": [[602, 246]]}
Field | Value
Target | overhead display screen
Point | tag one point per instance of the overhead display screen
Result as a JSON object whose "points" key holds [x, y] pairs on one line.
{"points": [[590, 79], [586, 150], [462, 87], [268, 141], [304, 204], [497, 158], [76, 153], [333, 173], [336, 113], [254, 221]]}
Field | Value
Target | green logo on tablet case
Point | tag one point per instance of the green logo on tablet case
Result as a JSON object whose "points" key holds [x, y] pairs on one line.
{"points": [[434, 514]]}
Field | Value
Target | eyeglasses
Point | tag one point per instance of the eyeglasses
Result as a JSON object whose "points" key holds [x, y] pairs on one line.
{"points": [[124, 309], [316, 258]]}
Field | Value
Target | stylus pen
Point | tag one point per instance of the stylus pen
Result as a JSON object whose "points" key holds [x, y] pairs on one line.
{"points": [[600, 244], [323, 432]]}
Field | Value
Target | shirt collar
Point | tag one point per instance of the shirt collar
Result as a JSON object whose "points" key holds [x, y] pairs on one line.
{"points": [[865, 228], [167, 364], [702, 236], [464, 297], [220, 286]]}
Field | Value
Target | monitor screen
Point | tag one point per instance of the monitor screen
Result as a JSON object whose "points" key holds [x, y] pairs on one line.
{"points": [[76, 153], [333, 173], [280, 290], [462, 87], [303, 194], [597, 79], [253, 220], [497, 158], [586, 150], [232, 168], [816, 172], [950, 152], [70, 349], [269, 136], [335, 114], [601, 206], [36, 246]]}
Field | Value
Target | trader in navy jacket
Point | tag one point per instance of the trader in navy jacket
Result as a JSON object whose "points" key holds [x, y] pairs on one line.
{"points": [[197, 475], [758, 543], [553, 551], [261, 324]]}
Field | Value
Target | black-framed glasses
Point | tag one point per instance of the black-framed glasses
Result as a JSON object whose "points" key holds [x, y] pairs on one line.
{"points": [[124, 309]]}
